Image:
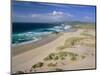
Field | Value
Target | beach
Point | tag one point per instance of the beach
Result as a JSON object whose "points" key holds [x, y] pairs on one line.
{"points": [[20, 48], [76, 54], [50, 37]]}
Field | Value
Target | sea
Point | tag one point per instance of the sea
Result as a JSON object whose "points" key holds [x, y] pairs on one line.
{"points": [[24, 32]]}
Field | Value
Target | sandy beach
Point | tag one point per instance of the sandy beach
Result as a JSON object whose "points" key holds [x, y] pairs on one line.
{"points": [[20, 48], [49, 37], [79, 54]]}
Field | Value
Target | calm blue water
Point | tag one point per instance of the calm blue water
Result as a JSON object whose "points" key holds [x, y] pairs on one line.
{"points": [[23, 32]]}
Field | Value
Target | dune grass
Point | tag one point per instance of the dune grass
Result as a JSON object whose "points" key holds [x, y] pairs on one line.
{"points": [[73, 58], [76, 40], [52, 56], [89, 42], [83, 57], [70, 42], [61, 56], [52, 64], [38, 65]]}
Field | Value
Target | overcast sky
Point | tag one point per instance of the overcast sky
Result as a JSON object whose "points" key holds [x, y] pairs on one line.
{"points": [[47, 12]]}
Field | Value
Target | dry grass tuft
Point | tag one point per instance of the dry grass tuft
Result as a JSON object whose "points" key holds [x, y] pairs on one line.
{"points": [[70, 42], [83, 57], [38, 65], [52, 64], [61, 55]]}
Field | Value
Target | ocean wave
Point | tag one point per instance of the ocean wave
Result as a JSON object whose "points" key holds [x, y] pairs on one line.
{"points": [[36, 35]]}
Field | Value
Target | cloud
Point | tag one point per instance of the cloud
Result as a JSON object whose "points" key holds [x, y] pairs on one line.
{"points": [[57, 13], [54, 16], [53, 13], [88, 18]]}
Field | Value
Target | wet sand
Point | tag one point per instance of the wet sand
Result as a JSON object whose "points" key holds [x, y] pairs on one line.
{"points": [[16, 50]]}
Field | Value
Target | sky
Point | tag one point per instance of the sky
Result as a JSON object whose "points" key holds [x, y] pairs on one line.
{"points": [[38, 12]]}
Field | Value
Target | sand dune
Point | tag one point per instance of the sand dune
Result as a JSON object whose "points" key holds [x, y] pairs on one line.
{"points": [[26, 59]]}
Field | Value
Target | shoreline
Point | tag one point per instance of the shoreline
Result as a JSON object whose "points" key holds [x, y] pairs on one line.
{"points": [[31, 41], [24, 60], [18, 49]]}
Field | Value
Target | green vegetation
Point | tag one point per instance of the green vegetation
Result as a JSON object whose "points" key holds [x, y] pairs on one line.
{"points": [[73, 58], [77, 40], [40, 64], [61, 56], [83, 56], [89, 42], [52, 56], [70, 42], [52, 64]]}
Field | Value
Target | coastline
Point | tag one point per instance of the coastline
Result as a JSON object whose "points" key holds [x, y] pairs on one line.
{"points": [[23, 47], [26, 46], [24, 61]]}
